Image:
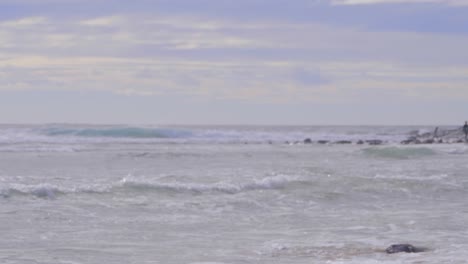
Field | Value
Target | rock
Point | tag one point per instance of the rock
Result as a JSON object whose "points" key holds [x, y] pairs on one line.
{"points": [[307, 141], [410, 140], [407, 141], [397, 248], [406, 248], [360, 142], [374, 142], [439, 135], [428, 141], [322, 141], [343, 142]]}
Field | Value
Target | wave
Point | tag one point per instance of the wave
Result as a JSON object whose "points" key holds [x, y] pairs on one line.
{"points": [[60, 133], [268, 183], [131, 185], [41, 191], [399, 152], [118, 132]]}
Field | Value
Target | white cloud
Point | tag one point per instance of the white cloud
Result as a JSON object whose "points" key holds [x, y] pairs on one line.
{"points": [[250, 80], [102, 21], [130, 35], [24, 22], [145, 56]]}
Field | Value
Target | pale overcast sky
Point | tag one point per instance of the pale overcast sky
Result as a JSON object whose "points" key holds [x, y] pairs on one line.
{"points": [[310, 62]]}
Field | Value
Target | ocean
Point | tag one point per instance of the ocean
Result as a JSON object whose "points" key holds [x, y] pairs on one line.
{"points": [[229, 194]]}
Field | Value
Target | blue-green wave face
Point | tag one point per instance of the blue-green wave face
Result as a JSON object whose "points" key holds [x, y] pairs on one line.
{"points": [[120, 132], [399, 152]]}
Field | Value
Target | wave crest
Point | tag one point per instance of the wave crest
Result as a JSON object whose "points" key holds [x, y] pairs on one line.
{"points": [[131, 185], [268, 183], [41, 190], [118, 132]]}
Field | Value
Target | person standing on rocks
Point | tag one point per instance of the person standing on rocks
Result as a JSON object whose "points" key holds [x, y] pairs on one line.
{"points": [[465, 130]]}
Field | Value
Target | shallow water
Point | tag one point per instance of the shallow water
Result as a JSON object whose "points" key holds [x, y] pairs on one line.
{"points": [[126, 201]]}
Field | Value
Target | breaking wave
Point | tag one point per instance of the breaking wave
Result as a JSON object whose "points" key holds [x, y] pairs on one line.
{"points": [[41, 191], [118, 132], [268, 183], [129, 185]]}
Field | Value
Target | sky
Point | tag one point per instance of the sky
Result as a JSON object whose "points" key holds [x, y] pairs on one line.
{"points": [[256, 62]]}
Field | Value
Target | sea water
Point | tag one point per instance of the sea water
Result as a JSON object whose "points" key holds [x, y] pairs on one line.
{"points": [[175, 194]]}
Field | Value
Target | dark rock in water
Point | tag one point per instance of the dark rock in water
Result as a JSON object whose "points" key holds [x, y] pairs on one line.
{"points": [[438, 136], [374, 142], [428, 141], [407, 141], [360, 142], [407, 248], [322, 141], [307, 141], [343, 142], [411, 140]]}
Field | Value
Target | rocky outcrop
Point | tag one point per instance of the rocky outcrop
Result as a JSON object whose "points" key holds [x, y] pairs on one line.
{"points": [[439, 136]]}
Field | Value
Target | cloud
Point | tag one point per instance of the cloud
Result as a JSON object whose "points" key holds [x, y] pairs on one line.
{"points": [[103, 21], [24, 22], [215, 39], [206, 57], [254, 80]]}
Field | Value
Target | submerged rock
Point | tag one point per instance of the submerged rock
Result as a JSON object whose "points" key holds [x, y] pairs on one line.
{"points": [[374, 142], [322, 141], [406, 248], [343, 142], [307, 141]]}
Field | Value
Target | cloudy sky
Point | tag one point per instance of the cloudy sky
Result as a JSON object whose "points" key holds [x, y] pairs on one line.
{"points": [[310, 62]]}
